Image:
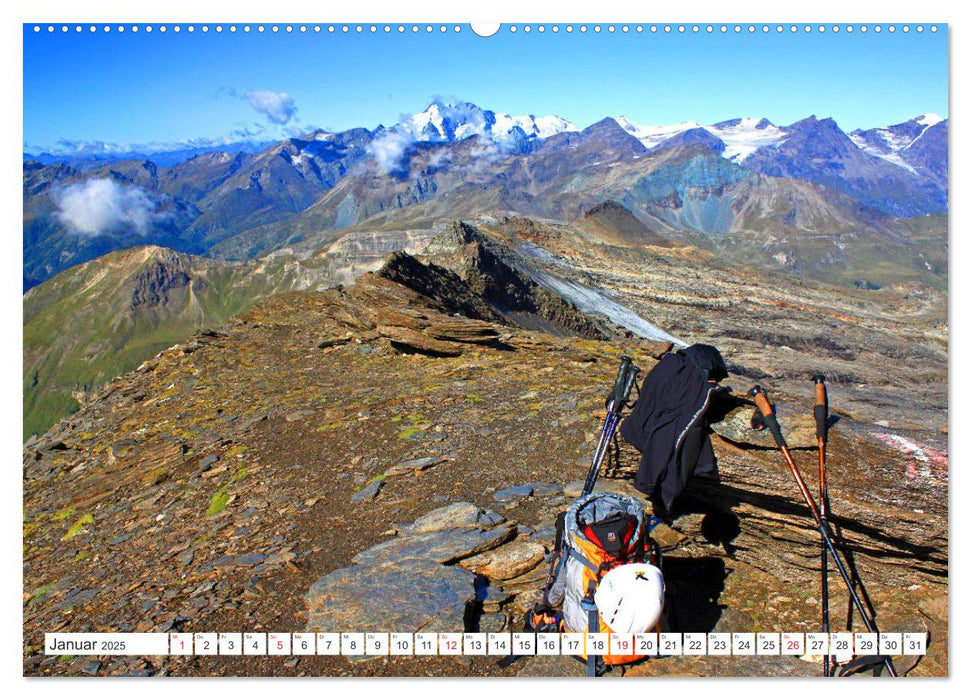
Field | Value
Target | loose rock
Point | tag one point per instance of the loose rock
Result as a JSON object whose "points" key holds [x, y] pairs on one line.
{"points": [[369, 492]]}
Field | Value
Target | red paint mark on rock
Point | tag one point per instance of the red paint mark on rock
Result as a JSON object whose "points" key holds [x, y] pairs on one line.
{"points": [[925, 460]]}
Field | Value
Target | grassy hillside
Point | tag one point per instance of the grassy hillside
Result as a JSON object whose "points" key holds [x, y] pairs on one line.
{"points": [[97, 320]]}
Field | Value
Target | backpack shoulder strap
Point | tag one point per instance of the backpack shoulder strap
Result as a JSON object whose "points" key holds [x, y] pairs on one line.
{"points": [[573, 552]]}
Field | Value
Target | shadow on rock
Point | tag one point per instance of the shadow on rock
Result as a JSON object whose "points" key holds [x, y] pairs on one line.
{"points": [[694, 585]]}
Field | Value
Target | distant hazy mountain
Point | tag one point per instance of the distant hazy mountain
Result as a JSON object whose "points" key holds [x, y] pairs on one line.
{"points": [[85, 156]]}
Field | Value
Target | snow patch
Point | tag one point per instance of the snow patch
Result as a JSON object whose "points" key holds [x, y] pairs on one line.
{"points": [[541, 253], [590, 301], [745, 137], [652, 136], [742, 137], [892, 156]]}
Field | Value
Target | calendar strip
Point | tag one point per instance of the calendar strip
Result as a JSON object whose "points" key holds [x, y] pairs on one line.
{"points": [[843, 645]]}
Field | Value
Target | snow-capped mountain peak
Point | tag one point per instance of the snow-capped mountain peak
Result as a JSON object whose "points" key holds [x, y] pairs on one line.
{"points": [[928, 119], [446, 121]]}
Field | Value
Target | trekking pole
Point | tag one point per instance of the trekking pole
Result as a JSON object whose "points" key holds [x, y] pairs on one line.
{"points": [[616, 400], [821, 413], [768, 414]]}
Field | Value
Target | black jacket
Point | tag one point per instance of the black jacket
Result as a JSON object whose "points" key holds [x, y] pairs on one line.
{"points": [[668, 422]]}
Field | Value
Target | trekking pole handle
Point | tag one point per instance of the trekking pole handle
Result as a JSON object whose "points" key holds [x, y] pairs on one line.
{"points": [[821, 409], [632, 373], [620, 390], [765, 408]]}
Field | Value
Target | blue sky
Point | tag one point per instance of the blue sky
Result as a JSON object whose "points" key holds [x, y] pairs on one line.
{"points": [[151, 88]]}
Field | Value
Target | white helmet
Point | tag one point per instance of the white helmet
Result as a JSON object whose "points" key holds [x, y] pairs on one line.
{"points": [[630, 598]]}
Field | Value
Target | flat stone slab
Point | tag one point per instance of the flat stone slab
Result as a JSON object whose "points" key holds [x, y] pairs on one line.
{"points": [[551, 667], [546, 534], [462, 514], [492, 623], [407, 341], [508, 561], [573, 489], [666, 536], [543, 488], [250, 559], [405, 595], [535, 488], [413, 465], [298, 415], [441, 546], [513, 493], [334, 341]]}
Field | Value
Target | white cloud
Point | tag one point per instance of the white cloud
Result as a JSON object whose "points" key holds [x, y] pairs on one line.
{"points": [[485, 154], [99, 206], [278, 107], [389, 149], [440, 158]]}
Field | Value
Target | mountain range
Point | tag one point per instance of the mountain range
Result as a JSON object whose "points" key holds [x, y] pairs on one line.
{"points": [[712, 185]]}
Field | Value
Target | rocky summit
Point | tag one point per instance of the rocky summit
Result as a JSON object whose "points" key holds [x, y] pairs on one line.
{"points": [[392, 454]]}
